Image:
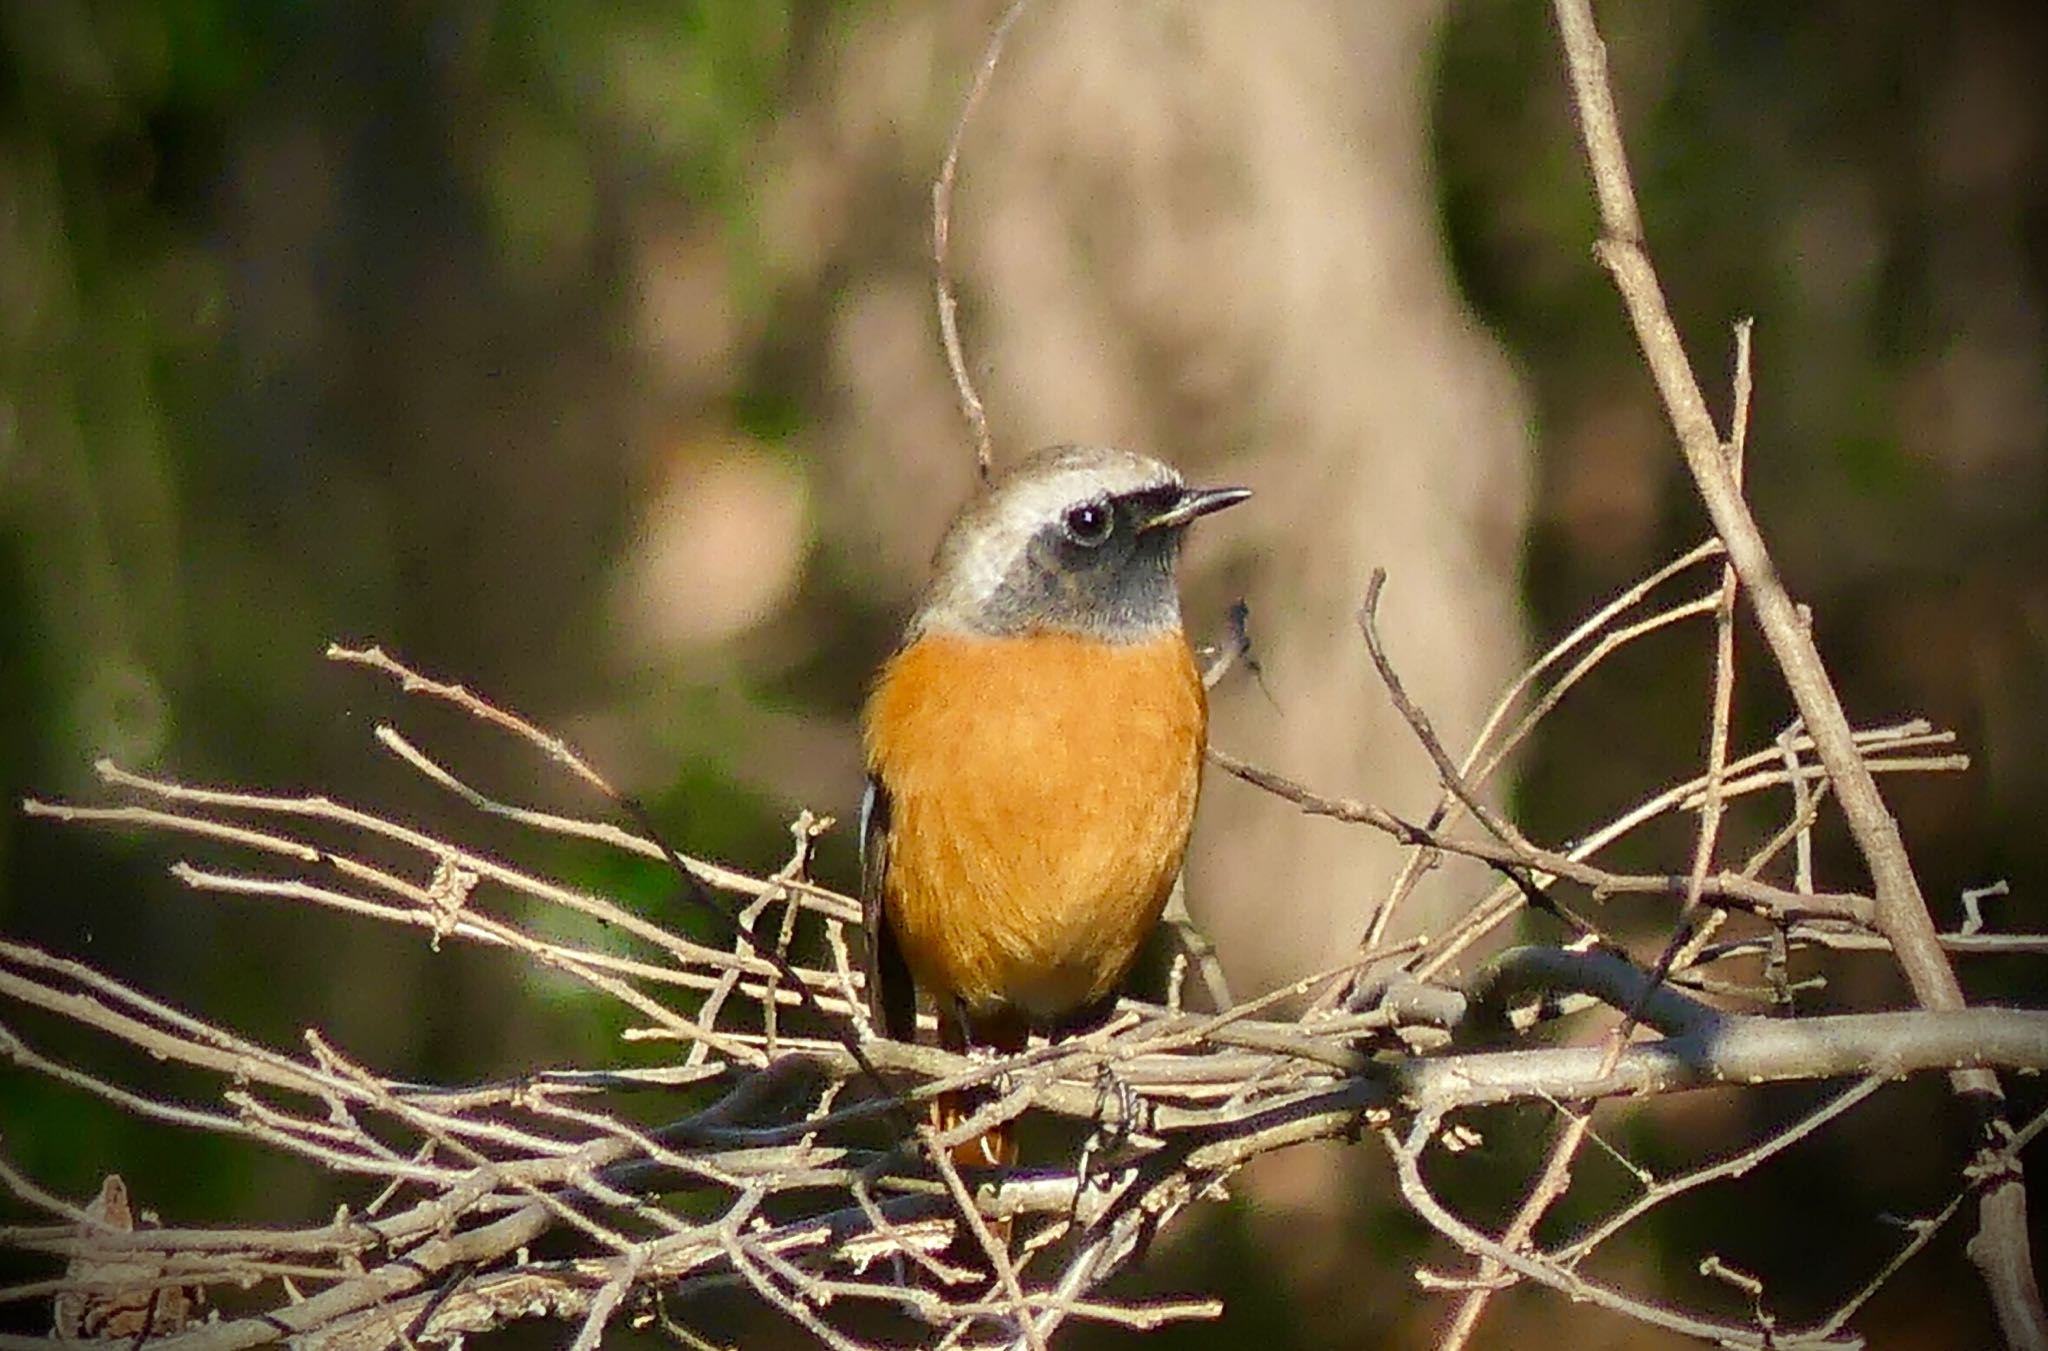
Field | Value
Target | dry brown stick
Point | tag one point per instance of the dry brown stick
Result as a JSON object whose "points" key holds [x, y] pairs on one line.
{"points": [[1805, 805], [438, 1128], [1219, 1154], [1921, 1232], [607, 1302], [2001, 1248], [1499, 906], [790, 1302], [1744, 892], [1486, 757], [1621, 250], [1491, 747], [1550, 1186], [814, 897], [1657, 1193], [1724, 642], [105, 1004], [942, 240], [376, 1286], [341, 1086], [245, 1123], [1694, 928], [1407, 1155], [1591, 634], [2001, 945], [1080, 1100], [1486, 763], [1734, 1050], [24, 1189], [412, 682], [1797, 1047], [707, 1013], [592, 970], [477, 928], [693, 890], [1538, 971], [424, 908], [1555, 1177], [1448, 773], [996, 1250], [1554, 1180], [186, 799], [1195, 948]]}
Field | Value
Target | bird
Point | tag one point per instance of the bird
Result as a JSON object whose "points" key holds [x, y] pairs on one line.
{"points": [[1034, 752]]}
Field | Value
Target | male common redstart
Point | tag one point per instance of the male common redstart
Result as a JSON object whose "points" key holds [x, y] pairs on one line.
{"points": [[1034, 751]]}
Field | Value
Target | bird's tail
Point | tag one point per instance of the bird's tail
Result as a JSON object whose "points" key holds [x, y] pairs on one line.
{"points": [[995, 1147], [1004, 1032]]}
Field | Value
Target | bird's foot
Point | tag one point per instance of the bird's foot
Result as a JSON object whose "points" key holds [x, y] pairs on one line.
{"points": [[1000, 1083], [1124, 1122], [1112, 1128]]}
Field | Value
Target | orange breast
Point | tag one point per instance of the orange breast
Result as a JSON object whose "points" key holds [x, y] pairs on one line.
{"points": [[1041, 791]]}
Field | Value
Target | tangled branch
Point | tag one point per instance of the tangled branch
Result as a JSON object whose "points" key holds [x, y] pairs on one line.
{"points": [[789, 1177]]}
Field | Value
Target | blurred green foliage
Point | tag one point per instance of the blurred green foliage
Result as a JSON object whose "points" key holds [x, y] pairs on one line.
{"points": [[309, 328]]}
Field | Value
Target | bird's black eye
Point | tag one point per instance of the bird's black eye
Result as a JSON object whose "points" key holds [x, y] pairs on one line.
{"points": [[1089, 523]]}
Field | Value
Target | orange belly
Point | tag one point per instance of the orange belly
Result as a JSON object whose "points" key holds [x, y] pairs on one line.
{"points": [[1041, 792]]}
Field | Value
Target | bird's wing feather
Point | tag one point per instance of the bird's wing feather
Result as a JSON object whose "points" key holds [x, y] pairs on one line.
{"points": [[892, 999]]}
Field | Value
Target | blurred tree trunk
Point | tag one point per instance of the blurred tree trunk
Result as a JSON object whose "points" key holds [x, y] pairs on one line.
{"points": [[1208, 232]]}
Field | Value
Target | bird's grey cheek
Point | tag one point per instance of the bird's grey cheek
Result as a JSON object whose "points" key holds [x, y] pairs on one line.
{"points": [[1075, 598], [1042, 573]]}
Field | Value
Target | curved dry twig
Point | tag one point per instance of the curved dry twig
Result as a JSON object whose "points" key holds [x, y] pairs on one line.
{"points": [[500, 1165], [791, 1172], [971, 406], [2002, 1249]]}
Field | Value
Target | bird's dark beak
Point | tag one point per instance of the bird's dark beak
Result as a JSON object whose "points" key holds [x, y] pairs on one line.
{"points": [[1195, 502]]}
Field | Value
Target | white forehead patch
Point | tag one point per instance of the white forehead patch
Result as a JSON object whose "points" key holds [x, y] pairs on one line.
{"points": [[1043, 488], [1023, 501]]}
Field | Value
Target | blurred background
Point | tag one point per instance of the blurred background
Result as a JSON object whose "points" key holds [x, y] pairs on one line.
{"points": [[586, 355]]}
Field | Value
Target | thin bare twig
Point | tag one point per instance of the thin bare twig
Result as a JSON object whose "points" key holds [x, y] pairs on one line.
{"points": [[942, 239], [2002, 1249], [1555, 1177], [778, 1179]]}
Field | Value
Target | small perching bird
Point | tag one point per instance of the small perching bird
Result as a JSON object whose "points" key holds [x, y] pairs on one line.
{"points": [[1034, 752]]}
